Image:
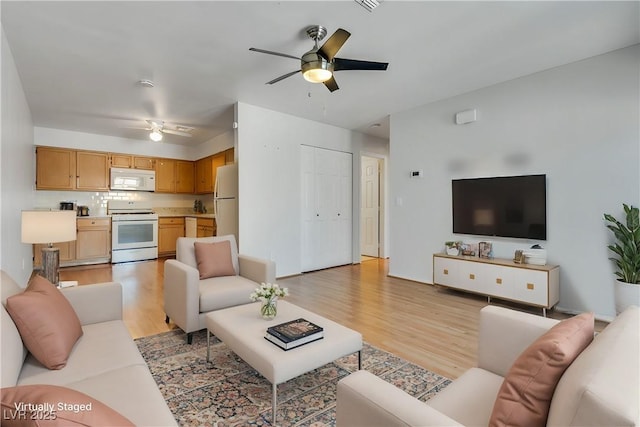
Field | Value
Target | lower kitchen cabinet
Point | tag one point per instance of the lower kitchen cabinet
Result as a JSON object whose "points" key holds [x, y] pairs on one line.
{"points": [[206, 227], [92, 244], [169, 229]]}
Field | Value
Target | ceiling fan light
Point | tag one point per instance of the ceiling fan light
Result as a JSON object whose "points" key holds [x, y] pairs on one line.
{"points": [[317, 75], [155, 135]]}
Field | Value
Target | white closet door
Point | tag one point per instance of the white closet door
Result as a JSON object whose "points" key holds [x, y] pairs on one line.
{"points": [[326, 208]]}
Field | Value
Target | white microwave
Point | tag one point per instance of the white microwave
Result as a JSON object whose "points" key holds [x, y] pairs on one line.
{"points": [[133, 179]]}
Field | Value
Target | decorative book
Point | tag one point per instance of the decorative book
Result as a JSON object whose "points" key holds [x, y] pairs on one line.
{"points": [[295, 330], [293, 344]]}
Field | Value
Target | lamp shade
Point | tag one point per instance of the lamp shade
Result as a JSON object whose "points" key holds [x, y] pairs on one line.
{"points": [[48, 226]]}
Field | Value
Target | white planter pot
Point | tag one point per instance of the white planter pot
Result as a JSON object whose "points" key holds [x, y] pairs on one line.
{"points": [[625, 295], [453, 251]]}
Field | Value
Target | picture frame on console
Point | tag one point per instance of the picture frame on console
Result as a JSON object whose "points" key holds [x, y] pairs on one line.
{"points": [[485, 250]]}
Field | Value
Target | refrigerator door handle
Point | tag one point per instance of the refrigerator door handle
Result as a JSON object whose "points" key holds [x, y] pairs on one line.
{"points": [[215, 207]]}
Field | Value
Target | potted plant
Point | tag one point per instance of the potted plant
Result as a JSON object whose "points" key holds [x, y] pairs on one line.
{"points": [[453, 248], [627, 249]]}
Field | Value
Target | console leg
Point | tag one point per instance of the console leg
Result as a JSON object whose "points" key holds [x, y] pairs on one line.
{"points": [[544, 312]]}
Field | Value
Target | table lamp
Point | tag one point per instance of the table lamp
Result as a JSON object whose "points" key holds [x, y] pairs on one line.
{"points": [[49, 227]]}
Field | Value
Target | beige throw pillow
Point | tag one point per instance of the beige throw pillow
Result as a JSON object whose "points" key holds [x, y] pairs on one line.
{"points": [[525, 395], [214, 259], [50, 405], [47, 323]]}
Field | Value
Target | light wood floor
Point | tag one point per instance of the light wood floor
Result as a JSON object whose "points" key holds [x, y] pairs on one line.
{"points": [[432, 327]]}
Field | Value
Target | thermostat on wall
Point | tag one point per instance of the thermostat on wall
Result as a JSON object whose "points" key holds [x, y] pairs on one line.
{"points": [[417, 174]]}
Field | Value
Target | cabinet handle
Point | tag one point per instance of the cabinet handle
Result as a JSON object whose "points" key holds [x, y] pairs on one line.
{"points": [[530, 286], [445, 271], [472, 276], [499, 281]]}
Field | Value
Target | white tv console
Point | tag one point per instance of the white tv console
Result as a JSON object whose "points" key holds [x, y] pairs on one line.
{"points": [[536, 285]]}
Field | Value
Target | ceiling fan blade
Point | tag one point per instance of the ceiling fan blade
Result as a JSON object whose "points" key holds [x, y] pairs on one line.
{"points": [[341, 64], [277, 79], [331, 84], [269, 52], [333, 44], [176, 132]]}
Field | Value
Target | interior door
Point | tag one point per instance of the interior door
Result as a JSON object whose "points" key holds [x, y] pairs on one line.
{"points": [[370, 207]]}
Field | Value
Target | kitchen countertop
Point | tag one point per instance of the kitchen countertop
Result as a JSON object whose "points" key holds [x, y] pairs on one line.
{"points": [[181, 212]]}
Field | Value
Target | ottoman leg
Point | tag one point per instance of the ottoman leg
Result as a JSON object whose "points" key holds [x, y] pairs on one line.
{"points": [[274, 403], [208, 346]]}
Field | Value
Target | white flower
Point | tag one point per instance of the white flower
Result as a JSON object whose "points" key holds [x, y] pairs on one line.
{"points": [[267, 291]]}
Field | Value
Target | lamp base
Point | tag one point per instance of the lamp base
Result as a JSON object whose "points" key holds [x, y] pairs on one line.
{"points": [[51, 264]]}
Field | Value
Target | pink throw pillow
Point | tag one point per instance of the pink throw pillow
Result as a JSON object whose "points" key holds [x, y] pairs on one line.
{"points": [[52, 405], [214, 259], [525, 395], [47, 323]]}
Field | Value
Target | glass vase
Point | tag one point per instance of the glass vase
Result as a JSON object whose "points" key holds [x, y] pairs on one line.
{"points": [[269, 308]]}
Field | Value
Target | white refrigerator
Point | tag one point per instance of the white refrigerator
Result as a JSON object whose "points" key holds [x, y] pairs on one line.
{"points": [[225, 200]]}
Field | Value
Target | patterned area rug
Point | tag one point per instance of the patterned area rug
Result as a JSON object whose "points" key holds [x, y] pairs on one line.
{"points": [[228, 392]]}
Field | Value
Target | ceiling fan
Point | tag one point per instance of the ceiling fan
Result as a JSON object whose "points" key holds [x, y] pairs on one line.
{"points": [[319, 64], [157, 128]]}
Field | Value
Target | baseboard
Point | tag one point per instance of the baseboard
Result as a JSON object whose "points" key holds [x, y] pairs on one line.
{"points": [[599, 317]]}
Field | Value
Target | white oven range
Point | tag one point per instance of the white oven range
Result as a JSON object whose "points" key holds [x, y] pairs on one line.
{"points": [[134, 231]]}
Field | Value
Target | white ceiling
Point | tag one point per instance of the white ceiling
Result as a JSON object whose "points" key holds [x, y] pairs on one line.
{"points": [[79, 61]]}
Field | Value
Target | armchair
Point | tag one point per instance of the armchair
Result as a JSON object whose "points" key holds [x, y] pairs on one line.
{"points": [[187, 298]]}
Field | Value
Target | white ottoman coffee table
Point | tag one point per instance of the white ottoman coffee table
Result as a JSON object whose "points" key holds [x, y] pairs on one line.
{"points": [[243, 329]]}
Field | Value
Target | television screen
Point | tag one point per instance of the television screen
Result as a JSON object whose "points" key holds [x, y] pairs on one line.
{"points": [[510, 206]]}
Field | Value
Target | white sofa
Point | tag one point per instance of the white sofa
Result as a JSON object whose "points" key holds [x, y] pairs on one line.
{"points": [[187, 298], [600, 388], [105, 362]]}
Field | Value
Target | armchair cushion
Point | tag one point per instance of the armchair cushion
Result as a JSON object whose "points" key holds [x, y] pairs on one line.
{"points": [[214, 259], [47, 323], [185, 249], [525, 395]]}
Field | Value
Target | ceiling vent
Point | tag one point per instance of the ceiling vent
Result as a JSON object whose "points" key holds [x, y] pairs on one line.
{"points": [[368, 4]]}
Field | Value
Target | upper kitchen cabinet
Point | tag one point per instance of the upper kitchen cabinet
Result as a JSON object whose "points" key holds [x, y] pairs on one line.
{"points": [[55, 168], [174, 176], [229, 156], [64, 169], [129, 161], [206, 172], [92, 171]]}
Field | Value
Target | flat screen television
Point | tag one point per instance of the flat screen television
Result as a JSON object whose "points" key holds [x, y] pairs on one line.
{"points": [[506, 206]]}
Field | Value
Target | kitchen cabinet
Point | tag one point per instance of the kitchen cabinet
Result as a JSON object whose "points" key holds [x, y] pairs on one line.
{"points": [[67, 253], [92, 171], [129, 161], [55, 168], [92, 244], [185, 177], [64, 169], [206, 227], [169, 229], [174, 176], [165, 176], [535, 285], [147, 163], [206, 172], [93, 241], [229, 156]]}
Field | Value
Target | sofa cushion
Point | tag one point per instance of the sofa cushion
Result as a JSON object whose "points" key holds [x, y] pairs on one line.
{"points": [[12, 350], [602, 386], [104, 347], [185, 252], [46, 321], [60, 406], [223, 292], [214, 259], [525, 395]]}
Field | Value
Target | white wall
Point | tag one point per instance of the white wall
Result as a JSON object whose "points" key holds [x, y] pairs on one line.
{"points": [[17, 170], [268, 155], [578, 124]]}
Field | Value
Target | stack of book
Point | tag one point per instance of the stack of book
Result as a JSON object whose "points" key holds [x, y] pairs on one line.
{"points": [[294, 333]]}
